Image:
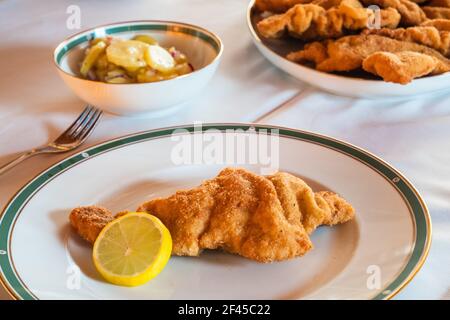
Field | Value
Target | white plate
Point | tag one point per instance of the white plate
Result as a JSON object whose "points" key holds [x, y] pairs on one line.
{"points": [[372, 257], [275, 51]]}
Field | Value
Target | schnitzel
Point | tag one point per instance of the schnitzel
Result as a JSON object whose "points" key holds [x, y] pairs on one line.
{"points": [[400, 67], [348, 53], [311, 21], [263, 218]]}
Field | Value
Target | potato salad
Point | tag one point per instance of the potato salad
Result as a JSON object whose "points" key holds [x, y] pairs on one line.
{"points": [[138, 60]]}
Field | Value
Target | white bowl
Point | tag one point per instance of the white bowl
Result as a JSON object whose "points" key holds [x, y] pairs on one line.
{"points": [[275, 50], [203, 49]]}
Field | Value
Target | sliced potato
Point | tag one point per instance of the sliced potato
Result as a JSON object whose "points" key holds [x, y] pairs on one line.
{"points": [[117, 80], [128, 54], [146, 38], [177, 55], [102, 62], [93, 42], [183, 68], [148, 75], [117, 76], [101, 74], [159, 59], [91, 57], [116, 60]]}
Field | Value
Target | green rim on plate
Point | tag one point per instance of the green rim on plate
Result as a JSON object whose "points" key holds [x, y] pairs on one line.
{"points": [[86, 36], [418, 209]]}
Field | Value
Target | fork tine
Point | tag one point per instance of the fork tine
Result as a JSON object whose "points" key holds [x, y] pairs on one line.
{"points": [[75, 132], [89, 127], [77, 122]]}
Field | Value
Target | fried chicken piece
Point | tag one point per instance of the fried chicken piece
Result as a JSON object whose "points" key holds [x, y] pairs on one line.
{"points": [[440, 24], [311, 21], [348, 53], [436, 12], [439, 3], [400, 67], [89, 221], [261, 218], [411, 13], [428, 36]]}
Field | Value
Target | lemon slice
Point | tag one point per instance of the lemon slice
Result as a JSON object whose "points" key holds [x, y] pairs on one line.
{"points": [[127, 53], [132, 249], [159, 59]]}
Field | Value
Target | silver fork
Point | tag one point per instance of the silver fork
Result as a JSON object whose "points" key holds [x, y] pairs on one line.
{"points": [[70, 139]]}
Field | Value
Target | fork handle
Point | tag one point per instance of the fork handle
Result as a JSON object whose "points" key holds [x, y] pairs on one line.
{"points": [[18, 160]]}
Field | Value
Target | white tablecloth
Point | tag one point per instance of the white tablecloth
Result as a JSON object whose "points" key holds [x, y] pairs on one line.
{"points": [[35, 105]]}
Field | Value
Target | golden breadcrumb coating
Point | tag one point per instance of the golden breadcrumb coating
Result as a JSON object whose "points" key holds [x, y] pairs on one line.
{"points": [[439, 3], [281, 6], [400, 67], [89, 221], [389, 52], [437, 12], [440, 24], [311, 21], [411, 14], [277, 6], [348, 53], [428, 36], [261, 218]]}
